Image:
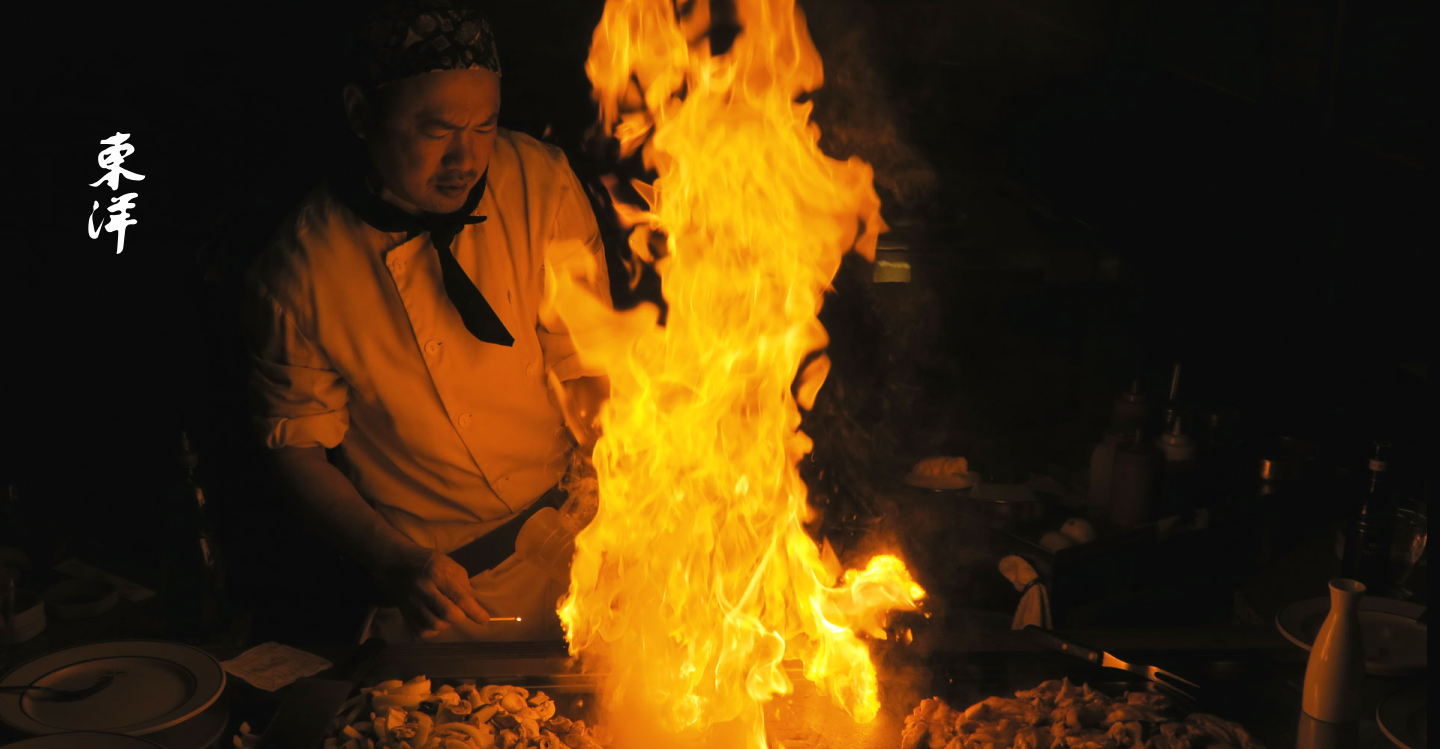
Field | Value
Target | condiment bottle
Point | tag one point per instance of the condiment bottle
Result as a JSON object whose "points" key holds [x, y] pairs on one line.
{"points": [[1102, 464], [1132, 482], [1175, 495], [195, 576], [1275, 477], [1129, 412], [1335, 672], [1171, 412], [1218, 468], [1370, 532]]}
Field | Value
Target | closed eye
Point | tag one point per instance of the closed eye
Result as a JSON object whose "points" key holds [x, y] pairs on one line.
{"points": [[439, 129]]}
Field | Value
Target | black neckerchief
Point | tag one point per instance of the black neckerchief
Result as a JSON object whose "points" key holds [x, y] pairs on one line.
{"points": [[479, 318]]}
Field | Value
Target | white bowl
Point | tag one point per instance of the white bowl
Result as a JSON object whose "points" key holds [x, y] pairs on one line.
{"points": [[29, 619]]}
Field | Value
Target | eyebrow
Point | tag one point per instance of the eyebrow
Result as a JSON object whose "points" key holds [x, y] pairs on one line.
{"points": [[442, 122]]}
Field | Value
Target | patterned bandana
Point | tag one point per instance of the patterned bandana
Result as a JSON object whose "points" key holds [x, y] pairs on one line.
{"points": [[406, 39]]}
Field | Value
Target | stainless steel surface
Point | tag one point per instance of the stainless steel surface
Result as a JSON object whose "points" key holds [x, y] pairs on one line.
{"points": [[806, 717], [1248, 675]]}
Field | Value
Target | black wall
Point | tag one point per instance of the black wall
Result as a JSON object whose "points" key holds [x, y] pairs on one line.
{"points": [[1221, 181]]}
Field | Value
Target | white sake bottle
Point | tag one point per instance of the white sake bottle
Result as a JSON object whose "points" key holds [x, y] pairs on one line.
{"points": [[1335, 672]]}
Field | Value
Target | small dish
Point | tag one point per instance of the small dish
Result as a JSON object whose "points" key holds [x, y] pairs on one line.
{"points": [[29, 619], [1395, 645], [157, 685], [81, 599], [1403, 718], [200, 732]]}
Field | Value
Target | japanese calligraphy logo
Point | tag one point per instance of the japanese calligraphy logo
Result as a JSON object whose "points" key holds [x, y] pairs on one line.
{"points": [[111, 159]]}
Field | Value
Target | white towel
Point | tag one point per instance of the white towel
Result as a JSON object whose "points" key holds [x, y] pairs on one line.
{"points": [[1034, 605]]}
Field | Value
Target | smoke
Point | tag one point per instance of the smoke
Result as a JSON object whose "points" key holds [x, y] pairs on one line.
{"points": [[582, 486], [904, 685], [856, 115]]}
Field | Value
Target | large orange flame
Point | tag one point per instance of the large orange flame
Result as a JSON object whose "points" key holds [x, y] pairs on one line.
{"points": [[696, 577]]}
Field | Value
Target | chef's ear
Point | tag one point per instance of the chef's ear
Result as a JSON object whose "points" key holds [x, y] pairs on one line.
{"points": [[357, 110]]}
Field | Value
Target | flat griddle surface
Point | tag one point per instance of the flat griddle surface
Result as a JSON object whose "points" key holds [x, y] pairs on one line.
{"points": [[804, 719]]}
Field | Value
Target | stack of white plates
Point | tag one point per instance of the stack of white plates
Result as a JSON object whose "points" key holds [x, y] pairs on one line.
{"points": [[85, 740], [1405, 716], [1395, 644], [166, 692]]}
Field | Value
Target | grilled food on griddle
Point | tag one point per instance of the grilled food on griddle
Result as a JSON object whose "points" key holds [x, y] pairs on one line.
{"points": [[407, 715], [1060, 715]]}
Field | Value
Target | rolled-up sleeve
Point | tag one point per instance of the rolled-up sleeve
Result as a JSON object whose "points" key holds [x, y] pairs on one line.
{"points": [[297, 399], [575, 248]]}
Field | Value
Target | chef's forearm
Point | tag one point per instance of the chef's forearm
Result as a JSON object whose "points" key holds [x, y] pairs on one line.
{"points": [[327, 500]]}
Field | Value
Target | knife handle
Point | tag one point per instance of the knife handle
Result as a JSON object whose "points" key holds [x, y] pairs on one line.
{"points": [[1051, 640], [361, 661]]}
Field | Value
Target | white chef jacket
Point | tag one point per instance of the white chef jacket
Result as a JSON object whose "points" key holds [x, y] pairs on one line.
{"points": [[355, 345]]}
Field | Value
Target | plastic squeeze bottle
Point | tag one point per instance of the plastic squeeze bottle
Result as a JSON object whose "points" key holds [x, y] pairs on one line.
{"points": [[1176, 496], [1132, 483], [1129, 412]]}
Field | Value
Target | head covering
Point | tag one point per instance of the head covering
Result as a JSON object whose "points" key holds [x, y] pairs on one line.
{"points": [[410, 38]]}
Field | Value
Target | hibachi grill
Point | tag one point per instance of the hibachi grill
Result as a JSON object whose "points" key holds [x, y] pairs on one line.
{"points": [[696, 579]]}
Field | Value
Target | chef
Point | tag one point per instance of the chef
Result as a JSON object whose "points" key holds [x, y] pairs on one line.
{"points": [[405, 370]]}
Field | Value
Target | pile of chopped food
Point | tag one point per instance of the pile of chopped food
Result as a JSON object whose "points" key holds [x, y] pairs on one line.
{"points": [[408, 715], [1059, 715]]}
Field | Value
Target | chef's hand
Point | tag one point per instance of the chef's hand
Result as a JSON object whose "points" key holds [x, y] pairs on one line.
{"points": [[431, 590]]}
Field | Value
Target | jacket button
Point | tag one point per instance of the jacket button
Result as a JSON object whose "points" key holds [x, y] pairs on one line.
{"points": [[432, 347], [464, 420]]}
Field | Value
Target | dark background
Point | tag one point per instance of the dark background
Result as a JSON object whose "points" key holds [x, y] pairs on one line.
{"points": [[1086, 189]]}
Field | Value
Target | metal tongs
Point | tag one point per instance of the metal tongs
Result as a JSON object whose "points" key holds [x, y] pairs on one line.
{"points": [[1105, 660]]}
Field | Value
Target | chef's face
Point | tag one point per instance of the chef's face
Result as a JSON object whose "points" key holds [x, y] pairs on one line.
{"points": [[429, 136]]}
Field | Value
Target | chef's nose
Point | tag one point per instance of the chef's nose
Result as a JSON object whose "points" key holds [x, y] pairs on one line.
{"points": [[461, 152]]}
